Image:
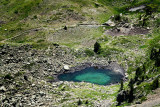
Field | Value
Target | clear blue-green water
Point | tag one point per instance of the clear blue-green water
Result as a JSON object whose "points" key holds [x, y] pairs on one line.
{"points": [[92, 75]]}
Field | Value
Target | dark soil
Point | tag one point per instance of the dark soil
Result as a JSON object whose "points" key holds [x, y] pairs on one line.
{"points": [[127, 31]]}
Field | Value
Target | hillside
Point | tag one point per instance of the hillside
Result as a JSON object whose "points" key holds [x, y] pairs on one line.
{"points": [[38, 21], [39, 38]]}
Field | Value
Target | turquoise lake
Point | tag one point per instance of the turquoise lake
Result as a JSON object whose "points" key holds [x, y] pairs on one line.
{"points": [[92, 75]]}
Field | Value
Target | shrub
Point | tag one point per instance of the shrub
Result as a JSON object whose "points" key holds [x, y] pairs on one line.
{"points": [[155, 56], [40, 41], [155, 84], [35, 16], [121, 88], [79, 102], [157, 22], [121, 97], [19, 73], [139, 72], [86, 102], [29, 66], [96, 5], [89, 52], [110, 51], [131, 86], [8, 76], [117, 17]]}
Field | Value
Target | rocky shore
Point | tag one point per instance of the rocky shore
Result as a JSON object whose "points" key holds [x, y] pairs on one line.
{"points": [[112, 66]]}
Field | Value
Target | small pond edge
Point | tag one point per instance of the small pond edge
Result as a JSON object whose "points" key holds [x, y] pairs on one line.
{"points": [[113, 66]]}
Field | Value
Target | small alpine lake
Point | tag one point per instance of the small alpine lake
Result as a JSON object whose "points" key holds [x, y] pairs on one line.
{"points": [[92, 75]]}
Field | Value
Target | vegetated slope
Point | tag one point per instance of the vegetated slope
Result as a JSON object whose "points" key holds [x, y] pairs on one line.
{"points": [[31, 21], [129, 48], [139, 54], [145, 79], [35, 22], [144, 73]]}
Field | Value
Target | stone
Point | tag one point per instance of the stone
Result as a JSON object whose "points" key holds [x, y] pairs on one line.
{"points": [[66, 67], [124, 30], [33, 85], [18, 95], [110, 23], [132, 26], [126, 75], [49, 70], [137, 8], [3, 89], [54, 85], [41, 93], [33, 96]]}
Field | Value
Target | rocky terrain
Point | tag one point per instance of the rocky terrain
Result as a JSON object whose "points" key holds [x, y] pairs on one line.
{"points": [[28, 76], [43, 38], [24, 70]]}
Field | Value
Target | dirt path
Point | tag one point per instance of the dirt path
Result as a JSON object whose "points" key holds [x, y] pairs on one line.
{"points": [[152, 101], [155, 102]]}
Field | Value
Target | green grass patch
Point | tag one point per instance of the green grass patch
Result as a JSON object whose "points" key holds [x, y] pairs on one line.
{"points": [[143, 46], [89, 52]]}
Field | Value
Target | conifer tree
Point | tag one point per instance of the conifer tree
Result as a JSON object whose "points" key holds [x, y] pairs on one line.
{"points": [[97, 47], [131, 97], [121, 88], [155, 84]]}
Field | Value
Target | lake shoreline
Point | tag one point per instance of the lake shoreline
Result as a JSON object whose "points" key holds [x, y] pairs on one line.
{"points": [[113, 66]]}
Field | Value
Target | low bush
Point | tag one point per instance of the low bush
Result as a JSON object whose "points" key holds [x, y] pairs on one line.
{"points": [[89, 52]]}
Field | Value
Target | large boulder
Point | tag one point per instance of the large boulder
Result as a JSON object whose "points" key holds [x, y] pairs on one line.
{"points": [[137, 8], [66, 67], [2, 89]]}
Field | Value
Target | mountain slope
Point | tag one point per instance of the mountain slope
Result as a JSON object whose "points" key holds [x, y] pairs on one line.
{"points": [[39, 37]]}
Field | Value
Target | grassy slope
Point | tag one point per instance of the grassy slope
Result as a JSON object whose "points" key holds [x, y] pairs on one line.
{"points": [[134, 52], [146, 71], [88, 92], [21, 18], [34, 22], [31, 21]]}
